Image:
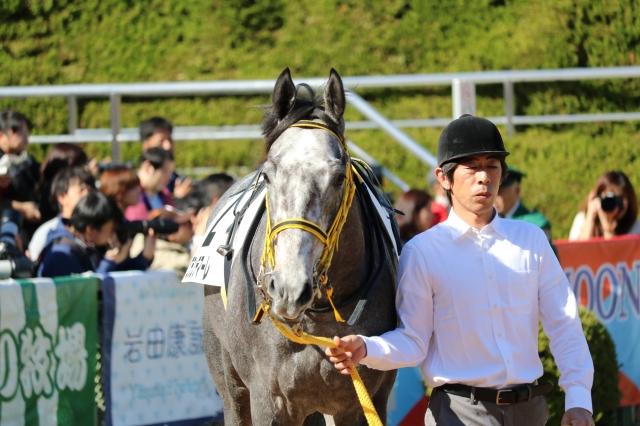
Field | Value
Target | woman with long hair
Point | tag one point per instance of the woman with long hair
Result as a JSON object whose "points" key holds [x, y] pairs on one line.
{"points": [[610, 209]]}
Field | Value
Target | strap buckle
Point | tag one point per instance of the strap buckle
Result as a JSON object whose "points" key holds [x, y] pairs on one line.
{"points": [[498, 397]]}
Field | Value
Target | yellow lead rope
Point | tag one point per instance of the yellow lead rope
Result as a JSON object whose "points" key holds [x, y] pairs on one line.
{"points": [[303, 338]]}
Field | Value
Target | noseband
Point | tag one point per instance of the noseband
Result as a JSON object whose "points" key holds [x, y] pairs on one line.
{"points": [[329, 239]]}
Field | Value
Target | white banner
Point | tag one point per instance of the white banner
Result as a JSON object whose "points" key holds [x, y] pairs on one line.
{"points": [[157, 370]]}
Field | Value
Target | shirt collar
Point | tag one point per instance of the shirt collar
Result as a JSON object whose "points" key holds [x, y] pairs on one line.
{"points": [[459, 227], [511, 212]]}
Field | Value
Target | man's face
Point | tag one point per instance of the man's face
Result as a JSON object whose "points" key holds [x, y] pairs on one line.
{"points": [[101, 237], [507, 197], [70, 199], [475, 186], [156, 179], [161, 138], [14, 142]]}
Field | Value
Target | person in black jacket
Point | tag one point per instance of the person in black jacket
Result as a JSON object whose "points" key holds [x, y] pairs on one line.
{"points": [[88, 242], [19, 172]]}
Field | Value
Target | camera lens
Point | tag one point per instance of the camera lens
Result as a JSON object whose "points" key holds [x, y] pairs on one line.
{"points": [[10, 222], [610, 201]]}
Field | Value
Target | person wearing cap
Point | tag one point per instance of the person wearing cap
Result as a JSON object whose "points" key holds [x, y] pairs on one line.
{"points": [[471, 291], [509, 205]]}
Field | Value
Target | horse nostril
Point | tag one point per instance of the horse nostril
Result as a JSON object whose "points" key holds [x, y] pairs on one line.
{"points": [[306, 295]]}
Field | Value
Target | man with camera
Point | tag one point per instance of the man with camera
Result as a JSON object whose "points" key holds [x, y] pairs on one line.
{"points": [[157, 132], [19, 172], [88, 241], [69, 186]]}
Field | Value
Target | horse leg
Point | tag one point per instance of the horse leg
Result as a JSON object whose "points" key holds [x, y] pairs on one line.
{"points": [[235, 396], [268, 409]]}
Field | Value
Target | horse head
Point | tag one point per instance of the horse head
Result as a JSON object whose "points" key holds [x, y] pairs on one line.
{"points": [[305, 171]]}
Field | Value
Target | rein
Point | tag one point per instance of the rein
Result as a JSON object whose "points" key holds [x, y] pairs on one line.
{"points": [[320, 269]]}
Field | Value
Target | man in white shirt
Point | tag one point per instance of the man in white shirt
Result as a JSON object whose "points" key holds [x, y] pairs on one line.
{"points": [[471, 291]]}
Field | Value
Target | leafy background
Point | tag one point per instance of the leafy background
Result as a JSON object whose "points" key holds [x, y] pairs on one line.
{"points": [[45, 42], [95, 41]]}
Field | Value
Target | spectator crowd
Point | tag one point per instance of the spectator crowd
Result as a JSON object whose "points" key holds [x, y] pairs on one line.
{"points": [[76, 214]]}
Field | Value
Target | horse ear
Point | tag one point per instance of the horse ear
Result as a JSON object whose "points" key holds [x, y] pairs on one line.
{"points": [[284, 94], [334, 99]]}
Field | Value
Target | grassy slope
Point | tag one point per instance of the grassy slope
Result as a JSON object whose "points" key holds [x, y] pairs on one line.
{"points": [[74, 41]]}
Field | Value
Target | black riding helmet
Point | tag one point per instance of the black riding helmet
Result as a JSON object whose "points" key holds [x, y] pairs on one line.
{"points": [[469, 135]]}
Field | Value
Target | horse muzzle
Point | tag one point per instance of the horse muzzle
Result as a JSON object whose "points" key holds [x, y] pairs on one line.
{"points": [[290, 296]]}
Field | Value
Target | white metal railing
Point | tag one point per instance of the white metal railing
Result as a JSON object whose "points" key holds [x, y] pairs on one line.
{"points": [[115, 92]]}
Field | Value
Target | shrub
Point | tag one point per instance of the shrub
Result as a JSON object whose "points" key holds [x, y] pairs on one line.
{"points": [[604, 393]]}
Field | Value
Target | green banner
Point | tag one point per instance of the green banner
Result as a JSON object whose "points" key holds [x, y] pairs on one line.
{"points": [[48, 345]]}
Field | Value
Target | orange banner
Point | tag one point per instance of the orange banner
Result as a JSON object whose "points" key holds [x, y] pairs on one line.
{"points": [[605, 277]]}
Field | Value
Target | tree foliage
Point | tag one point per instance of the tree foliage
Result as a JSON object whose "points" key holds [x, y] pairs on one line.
{"points": [[96, 41]]}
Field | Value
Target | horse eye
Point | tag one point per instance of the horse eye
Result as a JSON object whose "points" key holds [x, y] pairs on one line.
{"points": [[265, 177], [340, 180]]}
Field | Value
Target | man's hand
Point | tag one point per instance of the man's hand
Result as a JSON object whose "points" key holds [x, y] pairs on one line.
{"points": [[183, 187], [350, 351], [149, 245], [118, 253], [577, 417], [200, 221], [28, 209]]}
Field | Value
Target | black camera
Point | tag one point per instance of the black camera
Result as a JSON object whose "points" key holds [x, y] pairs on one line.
{"points": [[610, 201], [127, 229], [13, 262]]}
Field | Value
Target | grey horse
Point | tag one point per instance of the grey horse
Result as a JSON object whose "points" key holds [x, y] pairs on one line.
{"points": [[264, 378]]}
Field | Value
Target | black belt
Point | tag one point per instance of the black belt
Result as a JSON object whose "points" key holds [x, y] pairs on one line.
{"points": [[513, 395]]}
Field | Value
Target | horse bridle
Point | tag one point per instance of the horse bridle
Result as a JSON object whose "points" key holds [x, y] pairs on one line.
{"points": [[329, 238]]}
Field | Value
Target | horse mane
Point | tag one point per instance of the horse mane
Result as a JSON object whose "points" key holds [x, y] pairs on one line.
{"points": [[307, 106]]}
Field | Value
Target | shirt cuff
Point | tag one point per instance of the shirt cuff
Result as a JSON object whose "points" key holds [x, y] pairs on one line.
{"points": [[375, 352], [578, 397]]}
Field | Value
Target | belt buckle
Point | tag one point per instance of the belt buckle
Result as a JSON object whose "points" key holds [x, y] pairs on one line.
{"points": [[498, 397]]}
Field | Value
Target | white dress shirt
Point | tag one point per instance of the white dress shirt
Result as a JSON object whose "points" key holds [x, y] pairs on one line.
{"points": [[469, 303]]}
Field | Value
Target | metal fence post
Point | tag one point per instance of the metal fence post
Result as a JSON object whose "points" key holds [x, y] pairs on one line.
{"points": [[509, 106], [464, 97], [73, 113], [114, 100]]}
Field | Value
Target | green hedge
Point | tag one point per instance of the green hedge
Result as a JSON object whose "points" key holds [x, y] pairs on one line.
{"points": [[91, 41], [604, 393]]}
